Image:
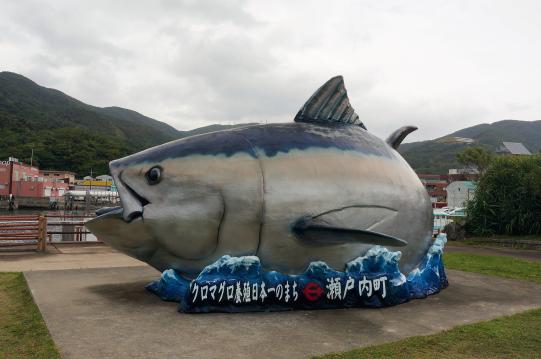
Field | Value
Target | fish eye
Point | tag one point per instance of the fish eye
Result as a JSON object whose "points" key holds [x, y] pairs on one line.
{"points": [[154, 175]]}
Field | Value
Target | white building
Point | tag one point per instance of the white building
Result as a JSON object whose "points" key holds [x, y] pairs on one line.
{"points": [[459, 192]]}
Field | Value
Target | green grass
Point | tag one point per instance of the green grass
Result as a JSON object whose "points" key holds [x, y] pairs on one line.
{"points": [[507, 267], [23, 333], [516, 336]]}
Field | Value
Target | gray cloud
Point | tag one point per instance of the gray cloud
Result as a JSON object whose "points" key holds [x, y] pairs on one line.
{"points": [[436, 64]]}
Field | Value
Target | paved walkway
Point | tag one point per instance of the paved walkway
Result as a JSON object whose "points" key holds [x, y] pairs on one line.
{"points": [[527, 254], [106, 313], [89, 255], [65, 256]]}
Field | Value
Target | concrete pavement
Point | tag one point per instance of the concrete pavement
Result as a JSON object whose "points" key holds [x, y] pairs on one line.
{"points": [[65, 256], [106, 313], [95, 255], [526, 254]]}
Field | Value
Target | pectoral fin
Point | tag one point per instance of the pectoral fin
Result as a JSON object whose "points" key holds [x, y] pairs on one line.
{"points": [[316, 232]]}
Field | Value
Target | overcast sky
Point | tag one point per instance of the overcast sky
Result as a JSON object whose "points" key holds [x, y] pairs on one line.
{"points": [[440, 65]]}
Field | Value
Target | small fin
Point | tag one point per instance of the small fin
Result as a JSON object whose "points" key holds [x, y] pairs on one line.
{"points": [[327, 234], [330, 104], [396, 138], [368, 217]]}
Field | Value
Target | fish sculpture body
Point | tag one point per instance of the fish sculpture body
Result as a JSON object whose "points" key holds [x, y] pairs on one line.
{"points": [[319, 189]]}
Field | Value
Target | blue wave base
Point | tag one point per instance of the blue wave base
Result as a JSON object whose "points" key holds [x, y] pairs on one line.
{"points": [[238, 284]]}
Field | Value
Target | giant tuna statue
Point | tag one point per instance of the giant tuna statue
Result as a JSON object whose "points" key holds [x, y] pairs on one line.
{"points": [[321, 188]]}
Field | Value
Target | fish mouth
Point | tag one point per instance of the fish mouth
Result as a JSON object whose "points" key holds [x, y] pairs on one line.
{"points": [[118, 211], [134, 197], [132, 203], [103, 215], [130, 238], [106, 210], [107, 213]]}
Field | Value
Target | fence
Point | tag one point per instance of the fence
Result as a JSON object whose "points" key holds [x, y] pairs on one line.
{"points": [[20, 230], [24, 230]]}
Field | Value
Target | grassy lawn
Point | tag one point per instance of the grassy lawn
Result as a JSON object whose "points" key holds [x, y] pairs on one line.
{"points": [[23, 333], [516, 336], [507, 267]]}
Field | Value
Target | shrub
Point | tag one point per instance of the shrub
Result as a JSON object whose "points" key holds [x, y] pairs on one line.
{"points": [[508, 198]]}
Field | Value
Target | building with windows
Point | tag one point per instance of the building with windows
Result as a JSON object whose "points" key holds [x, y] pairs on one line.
{"points": [[458, 183], [100, 183], [435, 186], [65, 176], [463, 174], [23, 180]]}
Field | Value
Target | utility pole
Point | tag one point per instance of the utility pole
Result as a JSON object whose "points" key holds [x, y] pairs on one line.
{"points": [[10, 176], [31, 157]]}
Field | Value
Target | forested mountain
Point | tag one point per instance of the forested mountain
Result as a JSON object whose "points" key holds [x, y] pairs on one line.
{"points": [[437, 156], [68, 134]]}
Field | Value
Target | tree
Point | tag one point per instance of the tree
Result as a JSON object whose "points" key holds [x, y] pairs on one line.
{"points": [[475, 157], [508, 198]]}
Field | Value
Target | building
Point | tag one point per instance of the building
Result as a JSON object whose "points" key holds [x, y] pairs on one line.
{"points": [[514, 149], [463, 174], [435, 186], [66, 176], [439, 186], [23, 180], [100, 183], [105, 178], [459, 193]]}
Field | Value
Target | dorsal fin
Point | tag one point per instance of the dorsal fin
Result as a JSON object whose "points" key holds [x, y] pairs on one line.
{"points": [[330, 104], [396, 138]]}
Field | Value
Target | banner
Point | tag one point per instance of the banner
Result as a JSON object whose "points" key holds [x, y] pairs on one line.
{"points": [[238, 284]]}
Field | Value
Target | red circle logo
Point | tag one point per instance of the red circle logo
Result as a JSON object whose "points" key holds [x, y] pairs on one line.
{"points": [[312, 291]]}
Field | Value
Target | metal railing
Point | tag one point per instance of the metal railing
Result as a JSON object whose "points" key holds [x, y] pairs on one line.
{"points": [[72, 228]]}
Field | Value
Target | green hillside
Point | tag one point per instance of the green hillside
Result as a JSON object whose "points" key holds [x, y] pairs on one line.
{"points": [[67, 134], [437, 156]]}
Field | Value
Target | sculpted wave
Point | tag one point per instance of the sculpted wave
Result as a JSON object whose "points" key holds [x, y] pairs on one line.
{"points": [[238, 284]]}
